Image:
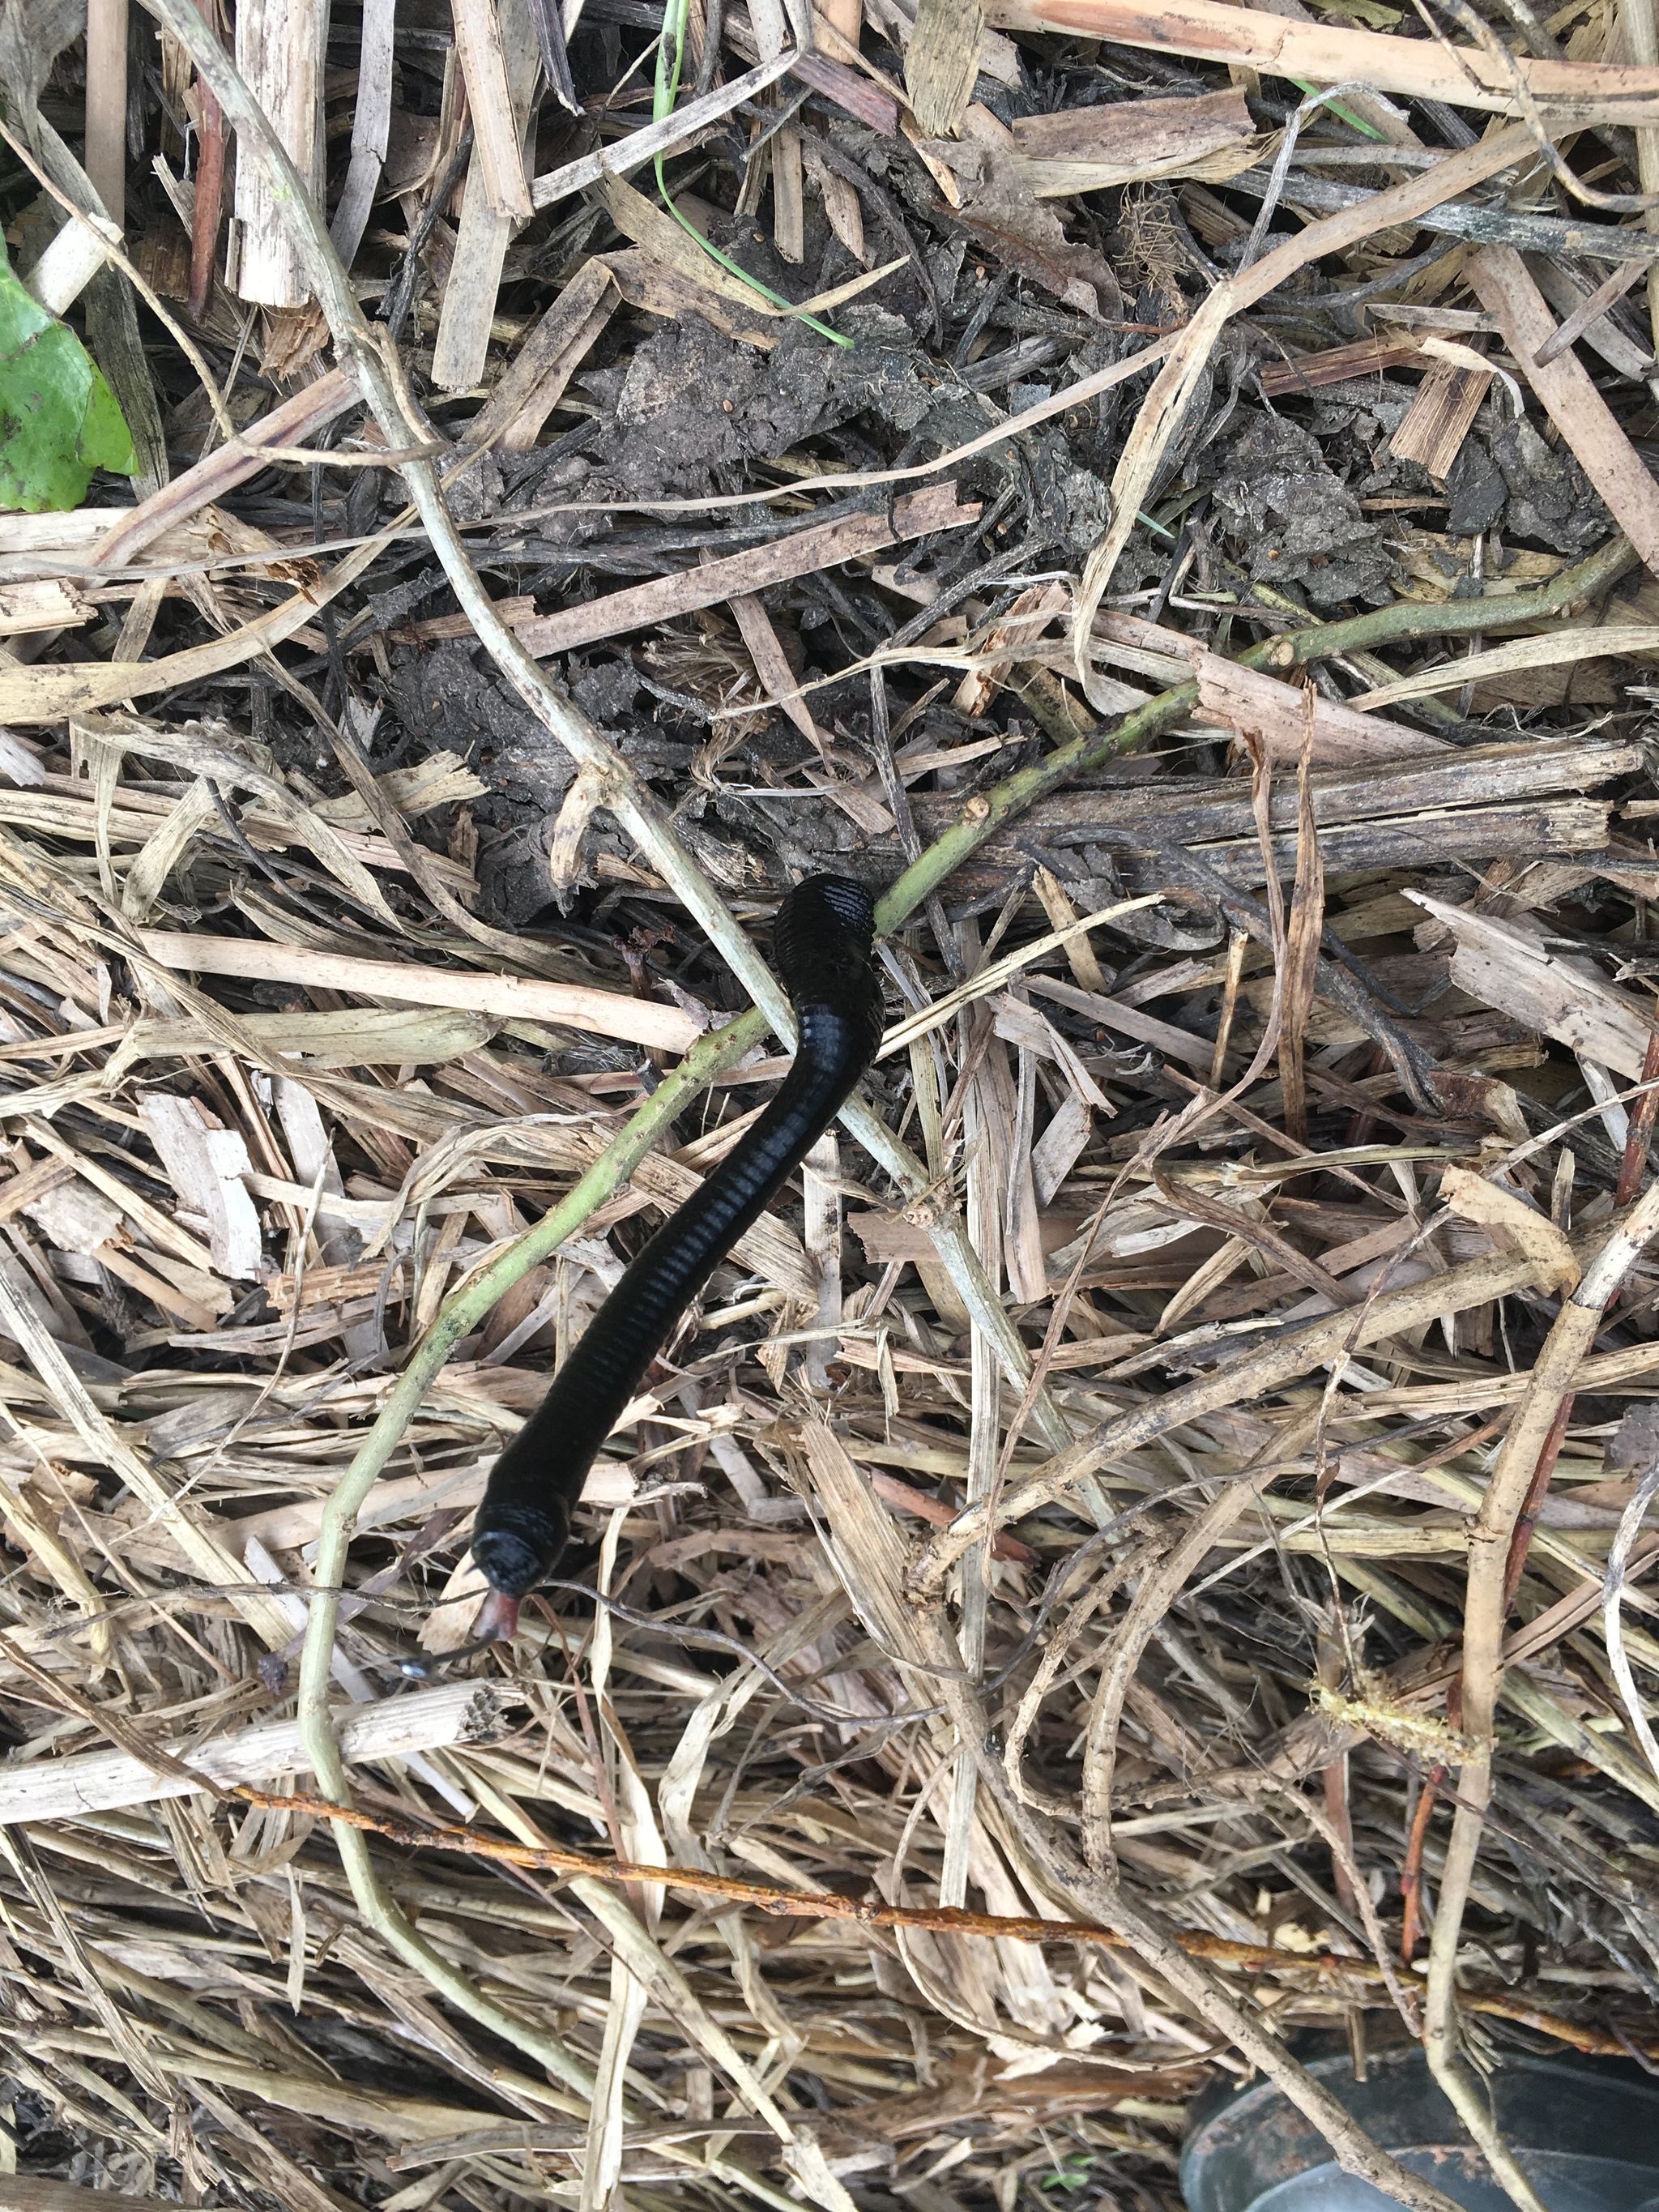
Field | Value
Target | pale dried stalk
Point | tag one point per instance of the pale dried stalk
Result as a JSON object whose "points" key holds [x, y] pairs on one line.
{"points": [[487, 223], [607, 1013], [220, 471], [497, 126], [1236, 1383], [870, 1554], [280, 43], [1642, 36], [1553, 1381], [1570, 395], [105, 156], [1160, 1585], [99, 1781], [207, 1553], [1612, 1617], [644, 145], [371, 128], [1569, 93], [941, 62], [985, 1229]]}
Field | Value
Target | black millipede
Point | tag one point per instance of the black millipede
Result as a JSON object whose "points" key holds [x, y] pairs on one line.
{"points": [[822, 947]]}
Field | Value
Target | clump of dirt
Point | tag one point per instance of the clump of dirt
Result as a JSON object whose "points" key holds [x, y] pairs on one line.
{"points": [[1293, 520], [693, 404]]}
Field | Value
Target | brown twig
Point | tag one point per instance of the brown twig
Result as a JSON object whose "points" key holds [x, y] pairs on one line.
{"points": [[1320, 1967], [1521, 1540], [1639, 1140], [1411, 1872], [211, 139]]}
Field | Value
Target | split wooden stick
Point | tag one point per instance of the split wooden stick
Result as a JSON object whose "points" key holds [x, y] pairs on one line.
{"points": [[574, 1006], [1568, 93]]}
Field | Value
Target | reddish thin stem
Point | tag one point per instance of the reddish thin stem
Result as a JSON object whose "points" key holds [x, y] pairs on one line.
{"points": [[1345, 1975], [1411, 1873], [1520, 1540], [1638, 1142], [210, 139], [209, 195]]}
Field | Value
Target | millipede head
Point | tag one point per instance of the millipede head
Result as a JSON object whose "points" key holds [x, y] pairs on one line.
{"points": [[507, 1563]]}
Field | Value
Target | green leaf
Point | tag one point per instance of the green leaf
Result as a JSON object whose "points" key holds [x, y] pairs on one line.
{"points": [[1344, 114], [58, 419]]}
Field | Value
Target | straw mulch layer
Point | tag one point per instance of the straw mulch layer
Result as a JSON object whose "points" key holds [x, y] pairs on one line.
{"points": [[1141, 1553]]}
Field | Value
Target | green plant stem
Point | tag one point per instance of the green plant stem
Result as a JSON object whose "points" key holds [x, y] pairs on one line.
{"points": [[466, 1307], [462, 1312], [1345, 114], [987, 812]]}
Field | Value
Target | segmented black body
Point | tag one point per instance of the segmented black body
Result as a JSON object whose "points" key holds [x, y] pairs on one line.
{"points": [[822, 953]]}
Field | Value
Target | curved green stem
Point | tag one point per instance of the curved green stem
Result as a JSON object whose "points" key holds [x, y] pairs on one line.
{"points": [[670, 50], [462, 1311], [1408, 619], [987, 812], [466, 1307]]}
